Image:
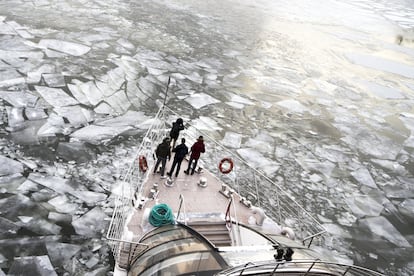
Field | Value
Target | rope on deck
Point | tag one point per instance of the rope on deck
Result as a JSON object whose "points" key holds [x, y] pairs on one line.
{"points": [[161, 214]]}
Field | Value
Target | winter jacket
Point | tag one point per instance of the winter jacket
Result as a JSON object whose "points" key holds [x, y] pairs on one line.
{"points": [[197, 149], [180, 151], [163, 150], [175, 130]]}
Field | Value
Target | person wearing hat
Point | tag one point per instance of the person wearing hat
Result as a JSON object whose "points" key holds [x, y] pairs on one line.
{"points": [[162, 152], [177, 126], [196, 149]]}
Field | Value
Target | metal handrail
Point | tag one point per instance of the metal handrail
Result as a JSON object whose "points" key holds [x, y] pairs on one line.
{"points": [[182, 202], [304, 267]]}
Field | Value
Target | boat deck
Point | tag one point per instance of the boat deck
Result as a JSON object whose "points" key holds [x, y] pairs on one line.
{"points": [[199, 203]]}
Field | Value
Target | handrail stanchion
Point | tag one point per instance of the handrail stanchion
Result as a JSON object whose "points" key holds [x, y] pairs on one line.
{"points": [[182, 203]]}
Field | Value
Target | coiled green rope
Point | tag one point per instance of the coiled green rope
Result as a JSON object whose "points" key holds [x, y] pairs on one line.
{"points": [[161, 214]]}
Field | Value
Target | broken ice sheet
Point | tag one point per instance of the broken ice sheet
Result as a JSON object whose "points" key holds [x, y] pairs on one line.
{"points": [[99, 134], [91, 223], [55, 97], [293, 106], [71, 48], [363, 205], [9, 166], [130, 118], [18, 98], [200, 100], [232, 140], [63, 205], [363, 176], [37, 265], [60, 253], [258, 161], [381, 227]]}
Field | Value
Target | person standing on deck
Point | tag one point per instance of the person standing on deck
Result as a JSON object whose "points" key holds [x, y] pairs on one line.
{"points": [[162, 152], [196, 150], [177, 126], [180, 152]]}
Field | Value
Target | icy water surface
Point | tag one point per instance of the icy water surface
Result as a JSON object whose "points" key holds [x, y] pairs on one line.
{"points": [[319, 94]]}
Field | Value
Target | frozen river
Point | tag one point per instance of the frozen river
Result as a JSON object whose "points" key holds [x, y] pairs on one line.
{"points": [[318, 95]]}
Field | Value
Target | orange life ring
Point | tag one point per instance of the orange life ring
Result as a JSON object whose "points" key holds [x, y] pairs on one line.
{"points": [[230, 166], [142, 162]]}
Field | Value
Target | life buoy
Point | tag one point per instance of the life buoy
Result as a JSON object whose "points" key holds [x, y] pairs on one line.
{"points": [[230, 165], [142, 162]]}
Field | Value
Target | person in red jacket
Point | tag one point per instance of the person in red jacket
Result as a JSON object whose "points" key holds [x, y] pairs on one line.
{"points": [[196, 149]]}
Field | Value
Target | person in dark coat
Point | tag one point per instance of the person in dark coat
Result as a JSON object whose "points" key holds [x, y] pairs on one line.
{"points": [[177, 126], [180, 152], [162, 152], [196, 150]]}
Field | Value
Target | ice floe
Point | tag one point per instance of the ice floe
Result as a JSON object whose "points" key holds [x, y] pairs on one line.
{"points": [[55, 96], [71, 48], [200, 100], [91, 223], [381, 227], [9, 166]]}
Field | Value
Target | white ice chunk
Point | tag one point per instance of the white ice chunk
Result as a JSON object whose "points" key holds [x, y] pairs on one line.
{"points": [[363, 176], [383, 228], [103, 108], [363, 205], [9, 166], [90, 224], [232, 140], [409, 142], [119, 102], [71, 48], [28, 186], [382, 64], [99, 134], [41, 226], [407, 208], [373, 144], [76, 115], [36, 265], [391, 166], [206, 123], [58, 184], [60, 253], [78, 94], [54, 80], [19, 99], [63, 205], [258, 161], [293, 106], [408, 120], [235, 105], [55, 96], [263, 142], [15, 117], [54, 124], [130, 118], [383, 91], [90, 198], [35, 114], [239, 99], [336, 230], [92, 92], [200, 100], [325, 167]]}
